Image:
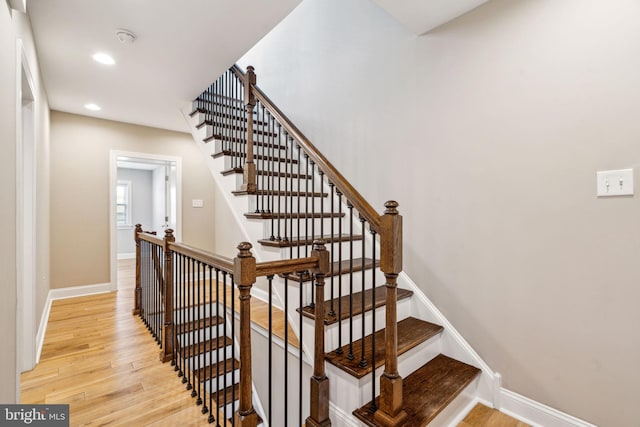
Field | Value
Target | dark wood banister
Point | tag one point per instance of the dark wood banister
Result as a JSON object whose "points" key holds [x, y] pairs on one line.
{"points": [[205, 257], [332, 174]]}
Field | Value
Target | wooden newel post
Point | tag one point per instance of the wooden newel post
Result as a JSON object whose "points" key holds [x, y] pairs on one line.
{"points": [[319, 387], [167, 334], [390, 412], [249, 172], [137, 296], [244, 275]]}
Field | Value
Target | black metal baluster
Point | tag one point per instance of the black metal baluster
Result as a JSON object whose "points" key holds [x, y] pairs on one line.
{"points": [[332, 311], [270, 356], [339, 350], [224, 357], [178, 314], [198, 307], [286, 349], [300, 341], [298, 237], [350, 206], [282, 158], [218, 347], [194, 328], [363, 362], [279, 211], [208, 359], [373, 408], [233, 339], [183, 317], [306, 209]]}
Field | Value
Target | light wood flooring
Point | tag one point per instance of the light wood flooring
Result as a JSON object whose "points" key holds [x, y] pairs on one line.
{"points": [[102, 361]]}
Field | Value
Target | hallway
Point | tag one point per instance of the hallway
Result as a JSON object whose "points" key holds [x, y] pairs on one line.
{"points": [[101, 360]]}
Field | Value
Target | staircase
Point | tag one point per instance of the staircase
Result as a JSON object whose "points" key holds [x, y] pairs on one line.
{"points": [[286, 196]]}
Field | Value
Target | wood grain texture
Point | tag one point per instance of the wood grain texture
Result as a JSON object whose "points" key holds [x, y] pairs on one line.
{"points": [[102, 361], [428, 391], [381, 298], [339, 267], [483, 416], [411, 332]]}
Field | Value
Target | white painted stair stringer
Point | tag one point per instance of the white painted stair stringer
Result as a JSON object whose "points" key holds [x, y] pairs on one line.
{"points": [[486, 389]]}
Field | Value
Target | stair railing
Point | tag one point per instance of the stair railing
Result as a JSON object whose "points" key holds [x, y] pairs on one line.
{"points": [[281, 140], [197, 290]]}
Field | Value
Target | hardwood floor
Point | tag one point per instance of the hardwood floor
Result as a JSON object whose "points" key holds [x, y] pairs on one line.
{"points": [[101, 360], [482, 416]]}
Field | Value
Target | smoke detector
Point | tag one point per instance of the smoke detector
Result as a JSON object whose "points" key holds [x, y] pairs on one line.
{"points": [[125, 36]]}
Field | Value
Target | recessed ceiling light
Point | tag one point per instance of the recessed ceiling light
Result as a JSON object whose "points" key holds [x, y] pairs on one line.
{"points": [[92, 107], [103, 58]]}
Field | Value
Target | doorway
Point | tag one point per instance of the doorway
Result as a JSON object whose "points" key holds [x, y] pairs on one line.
{"points": [[145, 190]]}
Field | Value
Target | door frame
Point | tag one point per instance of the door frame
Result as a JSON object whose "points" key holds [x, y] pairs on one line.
{"points": [[113, 180], [26, 215]]}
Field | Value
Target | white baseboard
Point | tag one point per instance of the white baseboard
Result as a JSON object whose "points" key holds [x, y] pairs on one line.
{"points": [[339, 418], [127, 255], [64, 293], [536, 413]]}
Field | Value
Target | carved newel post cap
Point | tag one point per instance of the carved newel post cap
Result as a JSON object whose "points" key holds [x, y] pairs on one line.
{"points": [[244, 250], [392, 207], [250, 68], [138, 228], [168, 232], [319, 245]]}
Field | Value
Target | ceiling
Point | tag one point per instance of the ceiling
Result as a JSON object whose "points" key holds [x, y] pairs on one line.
{"points": [[181, 47], [422, 16]]}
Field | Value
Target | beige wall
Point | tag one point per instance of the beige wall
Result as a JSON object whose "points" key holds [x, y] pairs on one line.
{"points": [[80, 161], [489, 132], [8, 301]]}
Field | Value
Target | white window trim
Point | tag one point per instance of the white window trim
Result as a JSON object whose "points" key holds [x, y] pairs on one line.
{"points": [[128, 225]]}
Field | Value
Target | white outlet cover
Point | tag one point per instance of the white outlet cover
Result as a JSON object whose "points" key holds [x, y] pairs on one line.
{"points": [[197, 203], [615, 183]]}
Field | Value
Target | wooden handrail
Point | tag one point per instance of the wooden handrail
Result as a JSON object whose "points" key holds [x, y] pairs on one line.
{"points": [[151, 238], [356, 199], [205, 257], [285, 266]]}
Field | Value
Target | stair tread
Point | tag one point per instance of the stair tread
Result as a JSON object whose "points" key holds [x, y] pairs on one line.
{"points": [[339, 267], [280, 193], [305, 242], [428, 390], [204, 346], [198, 324], [280, 215], [411, 332], [211, 371], [255, 156], [267, 145], [227, 394], [381, 299]]}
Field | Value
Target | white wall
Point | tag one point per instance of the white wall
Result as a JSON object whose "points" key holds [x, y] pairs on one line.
{"points": [[141, 201], [489, 131]]}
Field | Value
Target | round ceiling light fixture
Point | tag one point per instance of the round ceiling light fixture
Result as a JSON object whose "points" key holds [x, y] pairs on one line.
{"points": [[125, 36], [103, 58]]}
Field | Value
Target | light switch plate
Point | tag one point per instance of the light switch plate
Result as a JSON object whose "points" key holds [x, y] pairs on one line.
{"points": [[615, 183], [197, 203]]}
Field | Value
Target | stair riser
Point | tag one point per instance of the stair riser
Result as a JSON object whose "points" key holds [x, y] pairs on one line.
{"points": [[231, 161], [197, 312], [331, 331], [200, 335], [349, 392], [277, 203], [260, 147], [206, 358], [307, 227], [345, 246], [231, 378]]}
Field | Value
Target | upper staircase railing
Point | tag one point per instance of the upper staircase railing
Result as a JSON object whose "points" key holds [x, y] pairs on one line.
{"points": [[188, 302], [286, 176]]}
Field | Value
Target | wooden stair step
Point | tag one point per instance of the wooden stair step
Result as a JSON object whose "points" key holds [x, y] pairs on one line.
{"points": [[212, 371], [340, 267], [288, 215], [255, 156], [279, 193], [381, 299], [239, 170], [411, 332], [205, 346], [198, 324], [281, 243], [427, 391], [227, 394]]}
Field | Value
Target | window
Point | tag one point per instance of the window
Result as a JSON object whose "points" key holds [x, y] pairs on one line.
{"points": [[123, 204]]}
